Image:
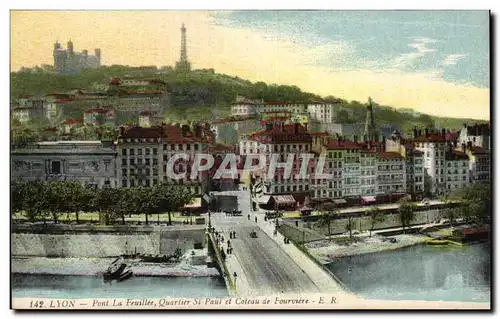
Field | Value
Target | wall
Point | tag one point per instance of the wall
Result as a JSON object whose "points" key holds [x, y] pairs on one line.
{"points": [[102, 244], [364, 223]]}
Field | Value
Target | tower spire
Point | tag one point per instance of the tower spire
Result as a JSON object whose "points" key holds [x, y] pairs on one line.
{"points": [[183, 63], [370, 131]]}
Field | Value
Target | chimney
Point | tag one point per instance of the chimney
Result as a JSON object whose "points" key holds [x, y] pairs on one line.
{"points": [[455, 143], [426, 132], [282, 126], [163, 129], [415, 132], [383, 143], [355, 137], [469, 145], [269, 126], [465, 125], [122, 130], [297, 128], [443, 132], [305, 126], [463, 147]]}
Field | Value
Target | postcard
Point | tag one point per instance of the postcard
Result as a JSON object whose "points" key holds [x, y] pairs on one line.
{"points": [[250, 160]]}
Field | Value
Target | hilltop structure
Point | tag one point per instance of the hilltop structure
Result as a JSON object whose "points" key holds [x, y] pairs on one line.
{"points": [[70, 62], [183, 64]]}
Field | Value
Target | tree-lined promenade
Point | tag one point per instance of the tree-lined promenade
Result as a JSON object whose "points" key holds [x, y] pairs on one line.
{"points": [[40, 200]]}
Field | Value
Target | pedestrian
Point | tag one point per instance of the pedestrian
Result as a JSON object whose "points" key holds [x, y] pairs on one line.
{"points": [[222, 239], [284, 240], [234, 234], [255, 218], [228, 243], [248, 216]]}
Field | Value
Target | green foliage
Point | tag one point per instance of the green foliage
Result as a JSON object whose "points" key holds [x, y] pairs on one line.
{"points": [[376, 216], [193, 95], [327, 218], [406, 212], [40, 199], [475, 203]]}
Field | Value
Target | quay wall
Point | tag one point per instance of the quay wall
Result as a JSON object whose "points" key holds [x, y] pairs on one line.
{"points": [[339, 226], [65, 241]]}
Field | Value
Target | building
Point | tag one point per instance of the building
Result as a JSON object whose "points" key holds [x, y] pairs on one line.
{"points": [[183, 64], [391, 174], [457, 170], [144, 154], [323, 112], [346, 155], [90, 162], [70, 62], [479, 135], [100, 116], [28, 108], [479, 163], [281, 140], [368, 176], [413, 161], [433, 145]]}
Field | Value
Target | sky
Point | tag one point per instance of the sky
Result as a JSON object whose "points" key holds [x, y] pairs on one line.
{"points": [[436, 62]]}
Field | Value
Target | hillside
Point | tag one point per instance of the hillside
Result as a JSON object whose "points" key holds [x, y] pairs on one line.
{"points": [[206, 89]]}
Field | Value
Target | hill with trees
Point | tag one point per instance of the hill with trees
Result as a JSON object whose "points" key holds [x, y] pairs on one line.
{"points": [[201, 94]]}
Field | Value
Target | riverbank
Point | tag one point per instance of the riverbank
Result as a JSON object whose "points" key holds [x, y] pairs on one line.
{"points": [[326, 251], [78, 266]]}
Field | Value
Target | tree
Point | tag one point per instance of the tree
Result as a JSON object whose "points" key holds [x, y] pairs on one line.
{"points": [[475, 203], [376, 216], [35, 200], [172, 198], [327, 218], [107, 202], [406, 212]]}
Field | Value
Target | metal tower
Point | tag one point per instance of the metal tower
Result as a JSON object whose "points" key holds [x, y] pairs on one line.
{"points": [[183, 64]]}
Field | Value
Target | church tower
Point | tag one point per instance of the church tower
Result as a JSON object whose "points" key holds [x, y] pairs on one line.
{"points": [[370, 133], [183, 64]]}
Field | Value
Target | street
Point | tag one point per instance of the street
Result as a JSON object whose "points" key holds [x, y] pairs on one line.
{"points": [[267, 267]]}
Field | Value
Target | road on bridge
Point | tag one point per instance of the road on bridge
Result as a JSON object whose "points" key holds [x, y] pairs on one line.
{"points": [[267, 267]]}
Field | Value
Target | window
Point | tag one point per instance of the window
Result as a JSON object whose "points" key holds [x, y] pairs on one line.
{"points": [[124, 161], [188, 147], [132, 151], [132, 161], [55, 167], [139, 151], [148, 151], [124, 171], [124, 183], [124, 152], [155, 161], [172, 147], [148, 161]]}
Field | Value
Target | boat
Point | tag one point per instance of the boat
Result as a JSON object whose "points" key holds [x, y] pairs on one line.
{"points": [[437, 242], [126, 274], [115, 269]]}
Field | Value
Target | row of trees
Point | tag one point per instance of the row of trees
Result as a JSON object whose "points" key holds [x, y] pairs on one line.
{"points": [[473, 205], [42, 200]]}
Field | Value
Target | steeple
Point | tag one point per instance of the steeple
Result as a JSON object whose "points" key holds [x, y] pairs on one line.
{"points": [[370, 130], [183, 64]]}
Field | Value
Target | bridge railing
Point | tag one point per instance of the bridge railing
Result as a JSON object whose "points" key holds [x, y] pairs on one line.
{"points": [[222, 263], [317, 262]]}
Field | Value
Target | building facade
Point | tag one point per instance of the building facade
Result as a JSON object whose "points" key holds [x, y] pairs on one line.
{"points": [[90, 162], [67, 61]]}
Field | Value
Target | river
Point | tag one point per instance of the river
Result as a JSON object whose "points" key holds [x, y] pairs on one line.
{"points": [[57, 286], [420, 273]]}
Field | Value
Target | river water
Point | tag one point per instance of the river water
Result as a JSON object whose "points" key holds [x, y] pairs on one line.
{"points": [[50, 286], [420, 273], [413, 273]]}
